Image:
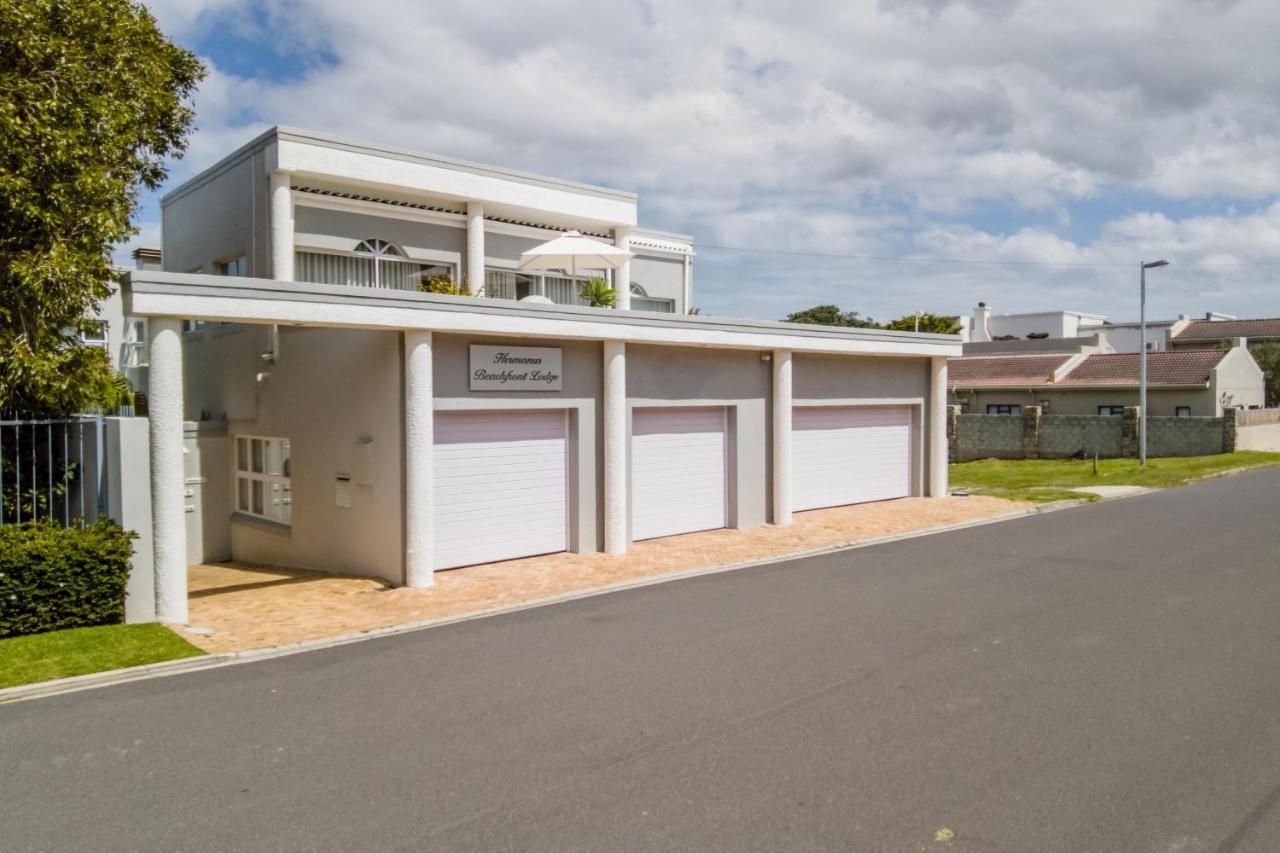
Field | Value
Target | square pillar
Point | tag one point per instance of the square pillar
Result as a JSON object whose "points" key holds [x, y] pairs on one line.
{"points": [[419, 449], [281, 226], [615, 447], [782, 437], [168, 479], [474, 275], [938, 486], [622, 275]]}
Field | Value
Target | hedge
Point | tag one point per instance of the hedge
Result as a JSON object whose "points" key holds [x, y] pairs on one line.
{"points": [[53, 578]]}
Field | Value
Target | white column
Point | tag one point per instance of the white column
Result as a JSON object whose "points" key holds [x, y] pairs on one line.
{"points": [[622, 275], [782, 437], [615, 447], [281, 226], [938, 427], [419, 446], [475, 247], [168, 479]]}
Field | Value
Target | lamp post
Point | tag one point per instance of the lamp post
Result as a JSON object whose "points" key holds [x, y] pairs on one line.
{"points": [[1142, 356]]}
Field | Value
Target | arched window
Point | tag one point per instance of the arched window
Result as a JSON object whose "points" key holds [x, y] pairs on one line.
{"points": [[637, 290], [378, 248]]}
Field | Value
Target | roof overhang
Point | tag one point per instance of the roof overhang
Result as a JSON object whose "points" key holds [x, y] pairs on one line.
{"points": [[265, 301]]}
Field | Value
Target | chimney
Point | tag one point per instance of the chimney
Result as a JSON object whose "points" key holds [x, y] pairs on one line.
{"points": [[147, 258], [981, 323], [1237, 343]]}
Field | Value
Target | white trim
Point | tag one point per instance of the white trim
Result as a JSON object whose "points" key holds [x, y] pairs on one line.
{"points": [[782, 416], [380, 209], [939, 455], [616, 490]]}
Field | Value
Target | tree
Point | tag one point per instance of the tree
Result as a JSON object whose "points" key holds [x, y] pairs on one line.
{"points": [[937, 323], [93, 100], [1267, 354], [831, 315]]}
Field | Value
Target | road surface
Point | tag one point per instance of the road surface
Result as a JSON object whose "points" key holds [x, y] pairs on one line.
{"points": [[1100, 679]]}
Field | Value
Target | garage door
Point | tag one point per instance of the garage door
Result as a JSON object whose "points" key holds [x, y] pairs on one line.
{"points": [[677, 471], [501, 486], [850, 454]]}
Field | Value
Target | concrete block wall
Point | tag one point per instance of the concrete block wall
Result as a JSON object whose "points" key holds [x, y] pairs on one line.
{"points": [[1034, 435]]}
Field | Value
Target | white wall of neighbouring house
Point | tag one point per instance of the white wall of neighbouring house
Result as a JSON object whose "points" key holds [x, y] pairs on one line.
{"points": [[661, 278], [1238, 381], [218, 217]]}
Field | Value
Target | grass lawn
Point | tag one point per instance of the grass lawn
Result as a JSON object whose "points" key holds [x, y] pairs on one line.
{"points": [[1044, 480], [80, 651]]}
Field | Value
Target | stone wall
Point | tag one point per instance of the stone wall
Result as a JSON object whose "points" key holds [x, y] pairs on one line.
{"points": [[1034, 435]]}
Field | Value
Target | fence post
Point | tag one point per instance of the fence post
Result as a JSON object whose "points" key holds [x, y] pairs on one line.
{"points": [[953, 439], [1129, 432], [1230, 430], [1031, 432]]}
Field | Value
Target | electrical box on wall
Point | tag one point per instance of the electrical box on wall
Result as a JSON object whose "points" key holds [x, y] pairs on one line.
{"points": [[362, 462], [342, 491]]}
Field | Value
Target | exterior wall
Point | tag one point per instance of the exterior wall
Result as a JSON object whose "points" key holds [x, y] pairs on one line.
{"points": [[1259, 437], [1129, 338], [661, 278], [1061, 401], [1238, 381], [581, 394], [128, 452], [220, 364], [736, 379], [340, 231], [222, 216], [207, 463], [328, 389], [1168, 436], [1064, 436], [1058, 324], [988, 437]]}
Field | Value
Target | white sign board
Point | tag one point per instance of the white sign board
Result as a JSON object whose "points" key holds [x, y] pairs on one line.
{"points": [[515, 368]]}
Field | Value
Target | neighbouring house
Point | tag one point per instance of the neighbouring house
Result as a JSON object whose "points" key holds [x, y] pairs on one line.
{"points": [[1216, 330], [1179, 382], [345, 422]]}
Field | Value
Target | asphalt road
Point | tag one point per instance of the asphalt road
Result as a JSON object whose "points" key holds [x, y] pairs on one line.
{"points": [[1101, 679]]}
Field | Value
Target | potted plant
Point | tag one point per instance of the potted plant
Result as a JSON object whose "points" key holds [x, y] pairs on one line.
{"points": [[598, 294]]}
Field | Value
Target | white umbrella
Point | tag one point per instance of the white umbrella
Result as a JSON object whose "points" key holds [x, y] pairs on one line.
{"points": [[571, 251]]}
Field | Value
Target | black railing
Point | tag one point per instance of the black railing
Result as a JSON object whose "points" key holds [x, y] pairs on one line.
{"points": [[53, 469]]}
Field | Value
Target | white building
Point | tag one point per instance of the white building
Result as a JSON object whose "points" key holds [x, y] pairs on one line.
{"points": [[337, 419]]}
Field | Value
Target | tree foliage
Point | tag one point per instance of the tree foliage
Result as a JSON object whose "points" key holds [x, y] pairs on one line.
{"points": [[831, 315], [93, 100], [940, 324], [597, 293], [1267, 355]]}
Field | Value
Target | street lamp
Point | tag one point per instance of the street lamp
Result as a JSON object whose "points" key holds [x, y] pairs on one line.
{"points": [[1142, 356]]}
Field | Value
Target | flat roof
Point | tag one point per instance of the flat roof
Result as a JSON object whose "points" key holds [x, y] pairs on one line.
{"points": [[254, 300]]}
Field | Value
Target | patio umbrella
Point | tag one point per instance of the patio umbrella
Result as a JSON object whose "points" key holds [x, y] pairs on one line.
{"points": [[572, 251]]}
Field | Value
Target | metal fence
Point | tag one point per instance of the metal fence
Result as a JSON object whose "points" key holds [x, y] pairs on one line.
{"points": [[53, 470]]}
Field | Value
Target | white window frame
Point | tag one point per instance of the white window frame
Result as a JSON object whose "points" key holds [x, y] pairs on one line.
{"points": [[102, 339], [247, 479], [241, 263]]}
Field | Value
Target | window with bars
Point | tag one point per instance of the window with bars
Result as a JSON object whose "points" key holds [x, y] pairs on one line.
{"points": [[263, 488]]}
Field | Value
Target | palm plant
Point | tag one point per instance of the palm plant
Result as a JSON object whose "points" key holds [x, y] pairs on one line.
{"points": [[598, 294]]}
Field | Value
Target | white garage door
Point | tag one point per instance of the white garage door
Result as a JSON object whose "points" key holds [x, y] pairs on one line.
{"points": [[501, 486], [677, 471], [849, 454]]}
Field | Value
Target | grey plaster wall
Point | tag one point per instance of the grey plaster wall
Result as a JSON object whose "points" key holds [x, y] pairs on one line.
{"points": [[223, 217], [661, 278], [128, 458], [312, 225]]}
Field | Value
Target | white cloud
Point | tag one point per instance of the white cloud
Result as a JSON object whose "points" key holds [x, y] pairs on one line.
{"points": [[871, 128]]}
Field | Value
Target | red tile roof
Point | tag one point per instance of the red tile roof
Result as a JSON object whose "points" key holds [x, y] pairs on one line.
{"points": [[1003, 371], [1119, 370], [1218, 330]]}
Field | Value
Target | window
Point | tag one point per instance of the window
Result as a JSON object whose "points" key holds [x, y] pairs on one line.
{"points": [[1111, 411], [262, 478], [134, 349], [1182, 411], [509, 284], [234, 266], [374, 263], [94, 333], [1004, 408], [641, 301]]}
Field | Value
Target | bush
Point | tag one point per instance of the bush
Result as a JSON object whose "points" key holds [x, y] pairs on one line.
{"points": [[51, 578], [443, 284]]}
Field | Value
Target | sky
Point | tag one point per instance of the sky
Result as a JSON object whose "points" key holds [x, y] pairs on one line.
{"points": [[1025, 153]]}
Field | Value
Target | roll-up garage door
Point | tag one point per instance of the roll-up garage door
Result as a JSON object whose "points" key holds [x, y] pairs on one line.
{"points": [[501, 486], [677, 471], [850, 454]]}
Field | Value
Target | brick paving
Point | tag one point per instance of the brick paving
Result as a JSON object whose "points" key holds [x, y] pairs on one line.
{"points": [[237, 606]]}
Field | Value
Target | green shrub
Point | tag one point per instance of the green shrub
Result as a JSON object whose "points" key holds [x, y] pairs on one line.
{"points": [[443, 284], [51, 578]]}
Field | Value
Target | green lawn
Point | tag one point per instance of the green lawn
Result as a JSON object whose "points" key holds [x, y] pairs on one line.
{"points": [[1045, 480], [79, 651]]}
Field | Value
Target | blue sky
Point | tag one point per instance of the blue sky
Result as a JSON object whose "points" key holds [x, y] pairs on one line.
{"points": [[1056, 151]]}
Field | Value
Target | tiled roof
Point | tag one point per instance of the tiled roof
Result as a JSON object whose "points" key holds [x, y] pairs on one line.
{"points": [[1119, 370], [1172, 367], [1217, 330], [1005, 371]]}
